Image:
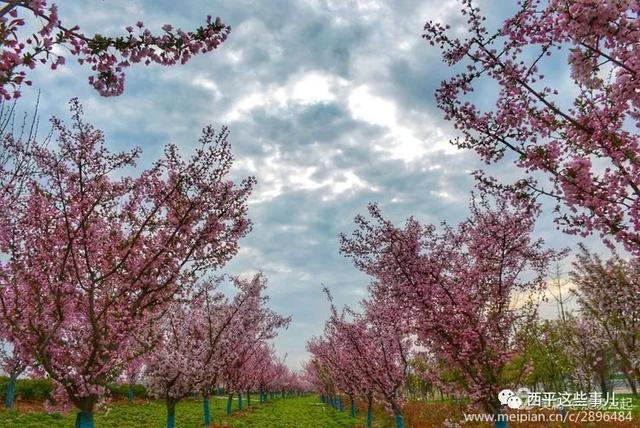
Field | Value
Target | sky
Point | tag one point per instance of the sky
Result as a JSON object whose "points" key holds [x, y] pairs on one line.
{"points": [[330, 104]]}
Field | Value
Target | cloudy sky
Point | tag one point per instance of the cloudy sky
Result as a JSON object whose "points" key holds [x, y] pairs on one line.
{"points": [[330, 105]]}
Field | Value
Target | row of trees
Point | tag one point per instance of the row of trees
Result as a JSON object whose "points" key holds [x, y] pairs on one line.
{"points": [[210, 342], [94, 257], [105, 275], [364, 356], [452, 290], [457, 308]]}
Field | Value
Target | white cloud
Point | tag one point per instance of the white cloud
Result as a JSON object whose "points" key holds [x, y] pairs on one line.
{"points": [[278, 176], [208, 84], [312, 88], [303, 89], [379, 111], [372, 109], [442, 194]]}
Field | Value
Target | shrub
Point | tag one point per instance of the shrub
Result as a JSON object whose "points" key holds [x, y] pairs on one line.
{"points": [[41, 389], [121, 390], [29, 389]]}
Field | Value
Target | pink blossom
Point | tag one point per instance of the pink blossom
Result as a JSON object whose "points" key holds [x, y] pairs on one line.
{"points": [[593, 127], [106, 56]]}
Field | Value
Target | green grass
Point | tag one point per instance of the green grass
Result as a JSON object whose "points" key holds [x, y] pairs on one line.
{"points": [[296, 412], [291, 412]]}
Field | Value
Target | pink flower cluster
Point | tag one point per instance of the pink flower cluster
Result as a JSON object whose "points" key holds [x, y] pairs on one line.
{"points": [[107, 56], [583, 137]]}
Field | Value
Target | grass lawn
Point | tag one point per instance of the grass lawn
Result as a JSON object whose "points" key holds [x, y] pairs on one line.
{"points": [[291, 412]]}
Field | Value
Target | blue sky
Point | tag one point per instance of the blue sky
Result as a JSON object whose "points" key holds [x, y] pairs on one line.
{"points": [[330, 105]]}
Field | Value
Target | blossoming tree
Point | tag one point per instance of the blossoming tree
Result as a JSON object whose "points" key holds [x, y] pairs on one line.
{"points": [[13, 366], [131, 376], [608, 295], [590, 353]]}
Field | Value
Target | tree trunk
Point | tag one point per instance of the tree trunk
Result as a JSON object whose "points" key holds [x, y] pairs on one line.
{"points": [[171, 413], [10, 393], [229, 401], [397, 413], [130, 393], [353, 407], [370, 412], [84, 418], [563, 412], [239, 400], [501, 420], [632, 384], [603, 384], [207, 412], [248, 398]]}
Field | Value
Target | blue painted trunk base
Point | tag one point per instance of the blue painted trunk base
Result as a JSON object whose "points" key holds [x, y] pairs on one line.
{"points": [[502, 423], [84, 420], [229, 402], [10, 393], [207, 412]]}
